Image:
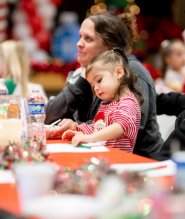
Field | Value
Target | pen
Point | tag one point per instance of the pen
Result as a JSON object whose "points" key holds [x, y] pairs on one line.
{"points": [[83, 146], [52, 124]]}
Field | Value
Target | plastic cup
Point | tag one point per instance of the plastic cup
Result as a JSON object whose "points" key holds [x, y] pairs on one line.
{"points": [[33, 180], [10, 131], [179, 158]]}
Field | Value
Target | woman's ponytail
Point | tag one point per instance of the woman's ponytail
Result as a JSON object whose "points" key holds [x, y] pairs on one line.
{"points": [[129, 20]]}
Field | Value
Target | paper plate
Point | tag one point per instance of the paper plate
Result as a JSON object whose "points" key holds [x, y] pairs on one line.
{"points": [[65, 207]]}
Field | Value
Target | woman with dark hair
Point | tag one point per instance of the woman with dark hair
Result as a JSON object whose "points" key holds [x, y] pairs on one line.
{"points": [[100, 32]]}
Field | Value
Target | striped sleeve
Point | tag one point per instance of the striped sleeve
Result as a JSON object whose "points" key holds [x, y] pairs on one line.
{"points": [[86, 129], [126, 116]]}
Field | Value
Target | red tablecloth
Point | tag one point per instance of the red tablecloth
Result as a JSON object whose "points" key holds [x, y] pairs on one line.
{"points": [[8, 193]]}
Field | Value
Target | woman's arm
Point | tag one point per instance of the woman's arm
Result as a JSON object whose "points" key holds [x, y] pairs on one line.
{"points": [[111, 132], [176, 137], [68, 101], [170, 104]]}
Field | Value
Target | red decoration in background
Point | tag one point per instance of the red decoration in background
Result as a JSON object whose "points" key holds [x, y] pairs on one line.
{"points": [[36, 23], [43, 38], [57, 2], [153, 72], [56, 66], [39, 19], [29, 7], [159, 29]]}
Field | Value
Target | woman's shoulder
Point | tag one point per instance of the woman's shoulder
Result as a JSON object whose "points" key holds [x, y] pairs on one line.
{"points": [[138, 69], [144, 79], [73, 76]]}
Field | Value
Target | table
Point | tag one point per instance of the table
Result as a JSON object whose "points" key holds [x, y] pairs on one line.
{"points": [[8, 192]]}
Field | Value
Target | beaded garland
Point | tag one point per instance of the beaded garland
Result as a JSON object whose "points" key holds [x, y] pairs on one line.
{"points": [[31, 150], [86, 179]]}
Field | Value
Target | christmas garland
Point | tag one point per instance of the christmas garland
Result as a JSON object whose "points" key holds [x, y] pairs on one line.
{"points": [[31, 150], [88, 178]]}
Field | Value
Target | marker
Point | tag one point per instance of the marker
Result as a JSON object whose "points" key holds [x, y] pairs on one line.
{"points": [[83, 146], [155, 168]]}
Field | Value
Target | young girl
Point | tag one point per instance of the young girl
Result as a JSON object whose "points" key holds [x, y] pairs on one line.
{"points": [[118, 119], [173, 68], [16, 69]]}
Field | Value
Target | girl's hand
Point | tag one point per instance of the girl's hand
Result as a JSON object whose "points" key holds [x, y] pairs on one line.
{"points": [[81, 138], [68, 135]]}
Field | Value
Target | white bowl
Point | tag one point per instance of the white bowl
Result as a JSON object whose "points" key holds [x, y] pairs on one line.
{"points": [[65, 207]]}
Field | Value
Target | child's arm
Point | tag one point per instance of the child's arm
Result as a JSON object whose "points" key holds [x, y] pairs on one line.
{"points": [[112, 131], [87, 129]]}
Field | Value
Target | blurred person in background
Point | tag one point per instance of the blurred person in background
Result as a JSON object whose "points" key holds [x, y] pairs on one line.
{"points": [[15, 69], [173, 65]]}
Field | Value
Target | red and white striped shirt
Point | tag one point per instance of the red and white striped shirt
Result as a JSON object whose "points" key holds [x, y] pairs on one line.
{"points": [[127, 113]]}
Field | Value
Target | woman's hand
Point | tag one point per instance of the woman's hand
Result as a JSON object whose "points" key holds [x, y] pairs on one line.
{"points": [[81, 138], [64, 125]]}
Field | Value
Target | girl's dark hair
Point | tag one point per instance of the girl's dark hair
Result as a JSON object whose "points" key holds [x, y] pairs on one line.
{"points": [[166, 51], [116, 31], [111, 59]]}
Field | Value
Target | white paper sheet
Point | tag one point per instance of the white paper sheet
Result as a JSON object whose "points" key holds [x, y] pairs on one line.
{"points": [[57, 148], [6, 176], [169, 170]]}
